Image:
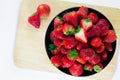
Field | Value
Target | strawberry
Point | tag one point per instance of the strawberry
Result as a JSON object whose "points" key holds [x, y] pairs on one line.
{"points": [[110, 37], [68, 29], [93, 17], [94, 31], [86, 24], [43, 9], [82, 12], [104, 26], [88, 67], [76, 69], [80, 35], [108, 46], [70, 42], [100, 49], [58, 33], [82, 46], [81, 60], [57, 60], [104, 56], [87, 53], [54, 49], [95, 59], [71, 17], [64, 50], [58, 42], [52, 36], [98, 67], [73, 54], [96, 42], [58, 21], [34, 20], [67, 62]]}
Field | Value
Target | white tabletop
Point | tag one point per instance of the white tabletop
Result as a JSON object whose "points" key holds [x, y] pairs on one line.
{"points": [[9, 14]]}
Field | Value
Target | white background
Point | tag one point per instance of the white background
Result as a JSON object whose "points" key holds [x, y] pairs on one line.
{"points": [[9, 11]]}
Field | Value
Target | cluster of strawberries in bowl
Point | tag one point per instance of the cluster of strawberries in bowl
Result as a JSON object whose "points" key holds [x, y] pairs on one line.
{"points": [[80, 41]]}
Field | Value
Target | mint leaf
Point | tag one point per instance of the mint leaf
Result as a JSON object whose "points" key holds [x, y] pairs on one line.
{"points": [[77, 29], [73, 54], [87, 20], [52, 47], [97, 68]]}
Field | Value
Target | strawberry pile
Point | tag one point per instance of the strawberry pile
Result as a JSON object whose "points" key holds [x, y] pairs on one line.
{"points": [[81, 41]]}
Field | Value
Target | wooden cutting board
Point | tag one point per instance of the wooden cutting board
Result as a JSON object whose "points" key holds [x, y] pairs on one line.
{"points": [[30, 49]]}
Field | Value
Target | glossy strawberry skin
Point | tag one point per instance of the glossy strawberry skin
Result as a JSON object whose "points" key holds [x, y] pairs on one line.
{"points": [[71, 18], [87, 53], [110, 37], [100, 49], [68, 29], [70, 42], [104, 56], [66, 63], [76, 69], [96, 42], [93, 16], [43, 10], [81, 60], [34, 20], [57, 22], [57, 60]]}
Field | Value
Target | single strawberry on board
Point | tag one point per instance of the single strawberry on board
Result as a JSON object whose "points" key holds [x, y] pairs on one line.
{"points": [[80, 35], [43, 10], [34, 20], [71, 17], [86, 24]]}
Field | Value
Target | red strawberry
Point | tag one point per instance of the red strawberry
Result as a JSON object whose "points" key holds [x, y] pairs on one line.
{"points": [[64, 50], [56, 51], [86, 24], [95, 59], [81, 60], [76, 69], [70, 42], [93, 16], [52, 36], [82, 12], [110, 37], [68, 29], [34, 20], [82, 46], [104, 26], [100, 49], [96, 42], [98, 67], [88, 67], [108, 46], [71, 18], [58, 21], [58, 42], [57, 60], [67, 62], [86, 53], [43, 10], [80, 35], [58, 33], [94, 31], [104, 56]]}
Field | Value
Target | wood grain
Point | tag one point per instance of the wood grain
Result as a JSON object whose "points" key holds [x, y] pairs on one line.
{"points": [[30, 44]]}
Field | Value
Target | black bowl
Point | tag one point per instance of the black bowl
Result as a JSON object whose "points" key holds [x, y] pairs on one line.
{"points": [[51, 28]]}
